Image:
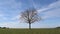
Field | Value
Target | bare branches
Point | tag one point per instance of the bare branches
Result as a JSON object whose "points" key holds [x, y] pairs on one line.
{"points": [[30, 16]]}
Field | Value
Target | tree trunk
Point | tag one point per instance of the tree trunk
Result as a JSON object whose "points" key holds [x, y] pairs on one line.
{"points": [[29, 25]]}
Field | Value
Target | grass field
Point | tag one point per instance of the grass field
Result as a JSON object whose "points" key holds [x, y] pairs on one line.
{"points": [[32, 31]]}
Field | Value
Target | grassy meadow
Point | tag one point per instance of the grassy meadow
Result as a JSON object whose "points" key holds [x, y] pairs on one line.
{"points": [[32, 31]]}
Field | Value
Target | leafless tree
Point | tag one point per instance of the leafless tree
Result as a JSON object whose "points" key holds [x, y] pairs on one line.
{"points": [[30, 16]]}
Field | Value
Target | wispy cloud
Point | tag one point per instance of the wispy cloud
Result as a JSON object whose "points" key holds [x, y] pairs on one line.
{"points": [[9, 8], [14, 25], [10, 13], [53, 10]]}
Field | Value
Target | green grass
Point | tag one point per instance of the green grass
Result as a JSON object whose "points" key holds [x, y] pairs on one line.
{"points": [[32, 31]]}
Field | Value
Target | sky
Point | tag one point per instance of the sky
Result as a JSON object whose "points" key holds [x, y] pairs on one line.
{"points": [[10, 11]]}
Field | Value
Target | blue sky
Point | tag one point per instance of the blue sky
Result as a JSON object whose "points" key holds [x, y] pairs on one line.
{"points": [[10, 11]]}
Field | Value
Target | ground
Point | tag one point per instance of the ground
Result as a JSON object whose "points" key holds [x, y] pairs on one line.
{"points": [[32, 31]]}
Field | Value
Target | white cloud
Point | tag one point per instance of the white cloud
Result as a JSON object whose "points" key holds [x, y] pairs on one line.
{"points": [[16, 17], [13, 25], [8, 24], [9, 8], [2, 16], [10, 4], [53, 10]]}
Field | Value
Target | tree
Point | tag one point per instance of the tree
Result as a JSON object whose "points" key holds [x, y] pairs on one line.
{"points": [[57, 27], [0, 27], [3, 27], [30, 16]]}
